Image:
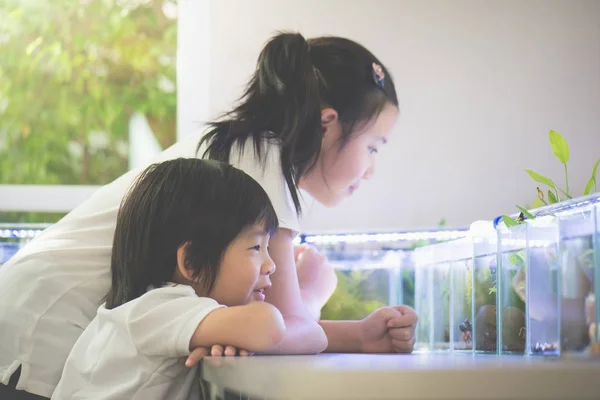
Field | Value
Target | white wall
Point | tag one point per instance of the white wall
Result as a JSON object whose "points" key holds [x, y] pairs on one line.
{"points": [[193, 68], [480, 84]]}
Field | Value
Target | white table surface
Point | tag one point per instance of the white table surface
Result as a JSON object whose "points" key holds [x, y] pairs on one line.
{"points": [[415, 376]]}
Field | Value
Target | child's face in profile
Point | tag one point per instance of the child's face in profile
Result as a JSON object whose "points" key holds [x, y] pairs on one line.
{"points": [[245, 269], [339, 172]]}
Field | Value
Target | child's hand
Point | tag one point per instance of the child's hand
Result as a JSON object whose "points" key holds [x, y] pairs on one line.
{"points": [[389, 330], [316, 278], [215, 351]]}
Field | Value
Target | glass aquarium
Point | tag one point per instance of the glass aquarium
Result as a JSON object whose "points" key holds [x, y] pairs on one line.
{"points": [[443, 296], [539, 287], [14, 236], [485, 247], [528, 289], [592, 305], [562, 277], [578, 271], [461, 295], [424, 264], [367, 280], [404, 281], [440, 296], [511, 289]]}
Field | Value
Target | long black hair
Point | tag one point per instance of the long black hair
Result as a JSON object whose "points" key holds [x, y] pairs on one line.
{"points": [[293, 81], [201, 204]]}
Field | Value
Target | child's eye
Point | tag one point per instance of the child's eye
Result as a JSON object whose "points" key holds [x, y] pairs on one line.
{"points": [[257, 247], [372, 150]]}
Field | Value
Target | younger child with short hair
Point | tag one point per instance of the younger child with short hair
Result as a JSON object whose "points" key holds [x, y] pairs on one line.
{"points": [[189, 265]]}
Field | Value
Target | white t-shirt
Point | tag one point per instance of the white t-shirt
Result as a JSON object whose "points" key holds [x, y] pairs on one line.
{"points": [[51, 289], [134, 351]]}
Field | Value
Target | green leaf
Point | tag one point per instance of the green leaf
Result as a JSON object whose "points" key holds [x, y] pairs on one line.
{"points": [[526, 213], [516, 259], [552, 197], [508, 221], [31, 47], [589, 186], [586, 259], [560, 147], [540, 178], [537, 203], [595, 169]]}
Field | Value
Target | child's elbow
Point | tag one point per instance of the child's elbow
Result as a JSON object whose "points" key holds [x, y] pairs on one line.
{"points": [[277, 334], [272, 327]]}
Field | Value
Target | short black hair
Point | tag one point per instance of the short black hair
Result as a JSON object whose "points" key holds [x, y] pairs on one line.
{"points": [[294, 80], [202, 204]]}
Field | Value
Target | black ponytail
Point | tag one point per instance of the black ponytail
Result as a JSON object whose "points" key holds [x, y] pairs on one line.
{"points": [[293, 80], [282, 103]]}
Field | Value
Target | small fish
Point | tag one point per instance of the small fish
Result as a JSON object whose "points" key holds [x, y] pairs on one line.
{"points": [[465, 326], [466, 330]]}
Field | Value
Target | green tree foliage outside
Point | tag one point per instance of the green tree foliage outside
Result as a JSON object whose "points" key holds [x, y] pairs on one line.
{"points": [[72, 73]]}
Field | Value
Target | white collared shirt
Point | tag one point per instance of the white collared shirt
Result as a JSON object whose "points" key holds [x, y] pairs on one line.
{"points": [[134, 351]]}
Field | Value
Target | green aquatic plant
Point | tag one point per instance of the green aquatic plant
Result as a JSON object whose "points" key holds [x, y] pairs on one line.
{"points": [[349, 301], [468, 286], [518, 260], [587, 258], [555, 193]]}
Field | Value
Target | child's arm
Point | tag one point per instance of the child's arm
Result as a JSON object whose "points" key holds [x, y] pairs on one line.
{"points": [[317, 279], [303, 333], [255, 327]]}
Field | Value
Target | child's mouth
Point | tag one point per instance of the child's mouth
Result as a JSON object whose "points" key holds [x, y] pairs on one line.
{"points": [[258, 295]]}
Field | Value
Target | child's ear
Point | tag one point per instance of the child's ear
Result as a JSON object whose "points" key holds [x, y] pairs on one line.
{"points": [[331, 126], [328, 117], [181, 268]]}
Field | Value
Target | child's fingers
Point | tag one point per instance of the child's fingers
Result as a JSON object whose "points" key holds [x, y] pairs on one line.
{"points": [[407, 317], [216, 350], [230, 351], [195, 356]]}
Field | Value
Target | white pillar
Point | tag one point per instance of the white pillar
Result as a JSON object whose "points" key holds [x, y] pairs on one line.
{"points": [[143, 146], [193, 70]]}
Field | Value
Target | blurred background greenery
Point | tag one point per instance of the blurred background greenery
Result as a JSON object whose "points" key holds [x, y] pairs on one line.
{"points": [[72, 73]]}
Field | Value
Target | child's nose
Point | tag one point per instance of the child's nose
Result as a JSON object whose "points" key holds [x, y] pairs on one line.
{"points": [[268, 268]]}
